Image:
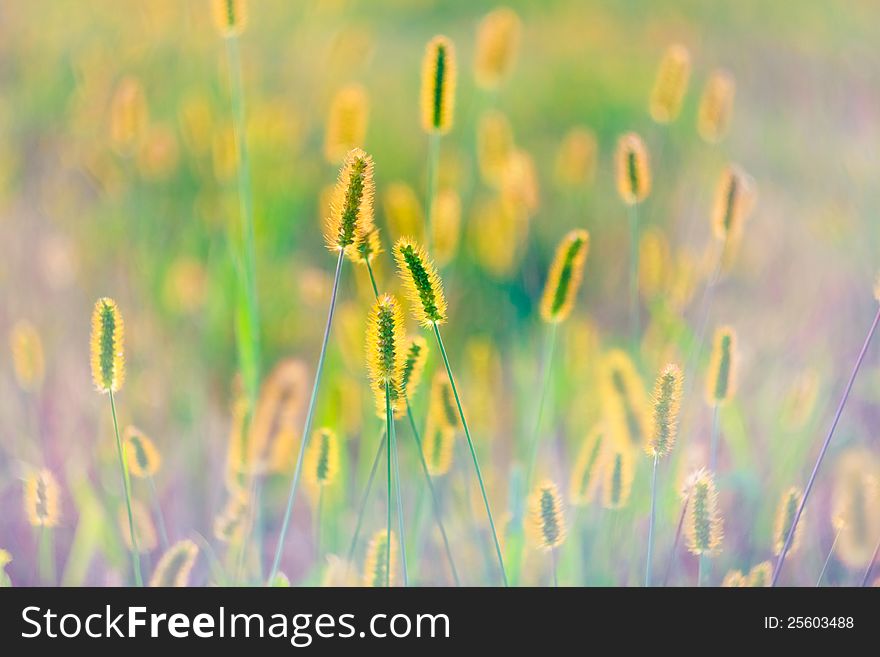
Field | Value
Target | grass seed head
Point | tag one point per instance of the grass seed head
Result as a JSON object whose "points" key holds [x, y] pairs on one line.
{"points": [[386, 350], [586, 474], [42, 499], [175, 566], [494, 146], [618, 476], [721, 382], [703, 525], [28, 362], [671, 84], [144, 529], [546, 515], [785, 514], [374, 566], [716, 106], [666, 402], [734, 199], [565, 276], [760, 575], [322, 459], [438, 85], [413, 365], [351, 205], [421, 282], [346, 122], [445, 225], [141, 455], [437, 446], [230, 17], [107, 346], [633, 169], [498, 37]]}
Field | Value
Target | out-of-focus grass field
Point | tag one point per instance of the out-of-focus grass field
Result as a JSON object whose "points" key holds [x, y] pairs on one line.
{"points": [[154, 223]]}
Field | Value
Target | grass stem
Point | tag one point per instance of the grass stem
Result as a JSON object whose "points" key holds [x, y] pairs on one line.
{"points": [[395, 456], [433, 166], [389, 423], [675, 541], [549, 348], [651, 522], [163, 533], [828, 558], [123, 467]]}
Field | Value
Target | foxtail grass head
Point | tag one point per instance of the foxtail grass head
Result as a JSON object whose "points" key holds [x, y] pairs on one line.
{"points": [[230, 17], [734, 579], [175, 566], [716, 106], [421, 281], [141, 454], [785, 514], [546, 517], [703, 525], [585, 476], [346, 122], [107, 346], [42, 499], [377, 559], [666, 404], [351, 205], [671, 84], [565, 276], [413, 365], [386, 350], [633, 169], [438, 85], [366, 247], [498, 38], [28, 362], [617, 477], [856, 506], [624, 400], [760, 575], [734, 198], [655, 263], [322, 459], [129, 116], [437, 445], [231, 524], [721, 382]]}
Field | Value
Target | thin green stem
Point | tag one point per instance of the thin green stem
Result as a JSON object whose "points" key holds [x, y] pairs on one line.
{"points": [[828, 558], [163, 533], [549, 347], [651, 522], [701, 568], [634, 274], [713, 445], [684, 506], [357, 528], [434, 499], [395, 456], [123, 468], [473, 451], [389, 423], [250, 340], [555, 569], [372, 278], [308, 423], [433, 166]]}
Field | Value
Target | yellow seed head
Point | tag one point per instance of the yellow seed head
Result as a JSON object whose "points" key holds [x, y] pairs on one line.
{"points": [[141, 455], [386, 351], [413, 365], [445, 225], [175, 566], [734, 579], [721, 382], [671, 84], [618, 476], [761, 575], [437, 446], [494, 146], [703, 526], [366, 247], [855, 506], [346, 122], [519, 183], [421, 282], [129, 116], [654, 262], [237, 466], [351, 206], [666, 403], [144, 529], [493, 217], [230, 525], [624, 400], [374, 566], [107, 346], [230, 17], [576, 158], [322, 459], [27, 355], [403, 210], [565, 275], [42, 496], [545, 513], [276, 419], [497, 44], [438, 85], [5, 559], [785, 514], [716, 106], [585, 476], [633, 169], [734, 198], [442, 407]]}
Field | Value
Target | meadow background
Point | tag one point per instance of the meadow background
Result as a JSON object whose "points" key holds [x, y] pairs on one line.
{"points": [[150, 223]]}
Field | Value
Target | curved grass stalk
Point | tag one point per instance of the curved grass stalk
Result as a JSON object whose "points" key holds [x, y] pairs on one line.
{"points": [[797, 516], [308, 423], [473, 451], [828, 558], [366, 496], [651, 522], [395, 457], [126, 485], [870, 566]]}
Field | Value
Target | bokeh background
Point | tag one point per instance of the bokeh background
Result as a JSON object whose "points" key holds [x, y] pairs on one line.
{"points": [[148, 218]]}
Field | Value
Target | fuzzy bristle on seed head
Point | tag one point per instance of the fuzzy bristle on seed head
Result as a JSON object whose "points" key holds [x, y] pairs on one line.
{"points": [[351, 204], [633, 169], [28, 362], [107, 346], [671, 84], [386, 351], [42, 496], [322, 459], [442, 406], [855, 505], [366, 247], [377, 559], [585, 475], [437, 446], [785, 514], [421, 282], [703, 526], [230, 17], [546, 521], [231, 523], [413, 365], [721, 381], [576, 158], [734, 579], [498, 38], [666, 404], [175, 566], [716, 106], [346, 122], [438, 85], [617, 477], [144, 529], [624, 400], [734, 198], [142, 457], [760, 575], [565, 276]]}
